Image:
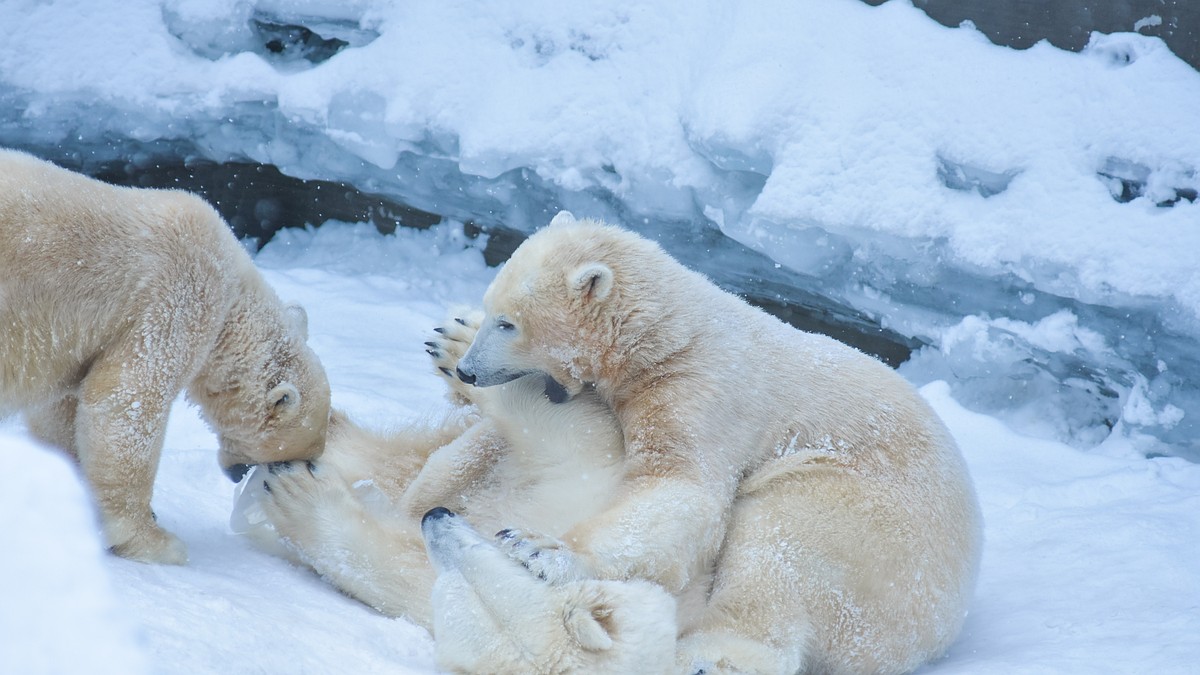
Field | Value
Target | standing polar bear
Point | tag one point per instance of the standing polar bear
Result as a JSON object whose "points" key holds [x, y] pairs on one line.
{"points": [[804, 506], [112, 301]]}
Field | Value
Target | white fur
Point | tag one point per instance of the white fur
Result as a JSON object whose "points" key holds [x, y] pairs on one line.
{"points": [[490, 615], [511, 459], [805, 507], [114, 300], [802, 485]]}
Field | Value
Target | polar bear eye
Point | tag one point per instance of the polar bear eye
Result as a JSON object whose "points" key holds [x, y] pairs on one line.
{"points": [[504, 325]]}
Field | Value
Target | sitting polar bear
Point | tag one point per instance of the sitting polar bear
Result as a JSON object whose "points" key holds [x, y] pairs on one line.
{"points": [[112, 301], [801, 502]]}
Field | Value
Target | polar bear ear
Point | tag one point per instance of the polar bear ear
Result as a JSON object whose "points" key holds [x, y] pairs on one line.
{"points": [[297, 320], [562, 218], [283, 400], [592, 281], [589, 626]]}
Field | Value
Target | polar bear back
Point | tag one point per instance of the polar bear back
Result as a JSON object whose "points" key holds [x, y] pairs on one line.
{"points": [[82, 258]]}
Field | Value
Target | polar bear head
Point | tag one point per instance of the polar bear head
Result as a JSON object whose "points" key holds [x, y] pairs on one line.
{"points": [[578, 302], [491, 615], [266, 395]]}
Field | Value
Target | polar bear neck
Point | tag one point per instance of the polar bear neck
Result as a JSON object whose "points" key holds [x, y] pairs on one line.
{"points": [[643, 349]]}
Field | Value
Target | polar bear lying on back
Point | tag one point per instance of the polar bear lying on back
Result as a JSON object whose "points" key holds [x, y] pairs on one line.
{"points": [[112, 301], [803, 504], [490, 615]]}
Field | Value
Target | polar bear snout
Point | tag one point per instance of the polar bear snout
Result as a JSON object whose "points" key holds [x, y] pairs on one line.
{"points": [[447, 537]]}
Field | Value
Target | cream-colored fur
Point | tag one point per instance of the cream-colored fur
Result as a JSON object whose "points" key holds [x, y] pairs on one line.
{"points": [[805, 507], [490, 615], [512, 457], [112, 301], [804, 485]]}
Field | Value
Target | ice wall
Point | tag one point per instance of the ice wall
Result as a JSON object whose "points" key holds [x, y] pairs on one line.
{"points": [[1025, 220]]}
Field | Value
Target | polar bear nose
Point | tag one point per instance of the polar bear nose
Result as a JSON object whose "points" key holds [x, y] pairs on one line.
{"points": [[469, 378], [237, 472], [437, 513]]}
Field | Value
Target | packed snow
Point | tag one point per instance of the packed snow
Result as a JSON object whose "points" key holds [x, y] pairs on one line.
{"points": [[1031, 216]]}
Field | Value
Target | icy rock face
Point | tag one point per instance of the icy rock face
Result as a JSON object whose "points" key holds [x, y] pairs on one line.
{"points": [[1025, 222]]}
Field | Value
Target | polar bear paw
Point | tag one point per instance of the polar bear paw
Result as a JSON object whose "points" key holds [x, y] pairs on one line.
{"points": [[448, 347], [151, 544], [308, 504], [546, 557]]}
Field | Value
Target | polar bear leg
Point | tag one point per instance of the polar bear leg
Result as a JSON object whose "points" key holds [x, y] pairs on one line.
{"points": [[755, 620], [54, 423], [119, 426]]}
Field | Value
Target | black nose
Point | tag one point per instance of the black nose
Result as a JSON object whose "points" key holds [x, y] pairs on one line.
{"points": [[465, 377], [237, 472], [436, 513]]}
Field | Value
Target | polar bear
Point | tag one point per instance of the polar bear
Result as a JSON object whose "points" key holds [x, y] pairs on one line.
{"points": [[512, 456], [802, 504], [112, 301], [806, 487], [490, 615]]}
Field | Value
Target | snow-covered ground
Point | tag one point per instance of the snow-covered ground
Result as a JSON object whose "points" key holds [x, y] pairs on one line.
{"points": [[1089, 565]]}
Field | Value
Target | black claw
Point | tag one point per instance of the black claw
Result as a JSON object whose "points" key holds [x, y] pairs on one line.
{"points": [[439, 329], [446, 371], [460, 321], [266, 487], [506, 533], [431, 343], [312, 468], [277, 468], [434, 353]]}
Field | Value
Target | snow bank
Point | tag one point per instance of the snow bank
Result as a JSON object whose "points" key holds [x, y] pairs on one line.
{"points": [[918, 173], [61, 613]]}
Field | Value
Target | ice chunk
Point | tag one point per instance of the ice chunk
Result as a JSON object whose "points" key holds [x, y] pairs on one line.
{"points": [[248, 517], [965, 177]]}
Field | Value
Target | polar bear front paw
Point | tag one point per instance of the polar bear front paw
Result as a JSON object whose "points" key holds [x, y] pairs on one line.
{"points": [[546, 557], [307, 504], [448, 347], [152, 544]]}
